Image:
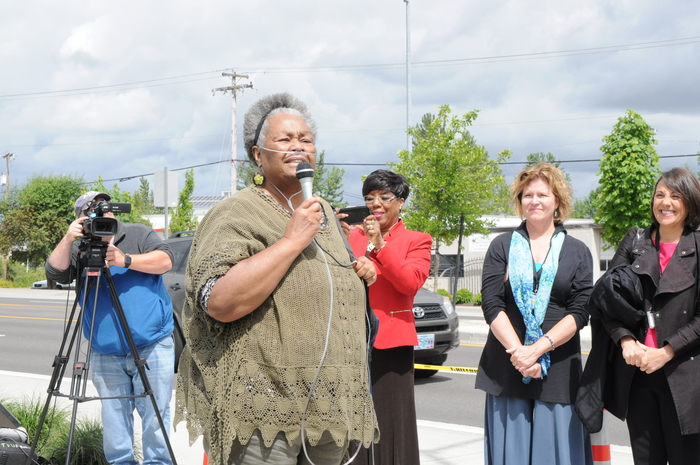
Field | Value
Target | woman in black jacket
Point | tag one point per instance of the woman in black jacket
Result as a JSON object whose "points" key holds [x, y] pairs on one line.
{"points": [[536, 281], [663, 393]]}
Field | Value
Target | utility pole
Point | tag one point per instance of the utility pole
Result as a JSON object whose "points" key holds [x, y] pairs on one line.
{"points": [[233, 88], [8, 158], [408, 73]]}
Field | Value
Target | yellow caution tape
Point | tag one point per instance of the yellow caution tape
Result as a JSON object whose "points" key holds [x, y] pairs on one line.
{"points": [[419, 366]]}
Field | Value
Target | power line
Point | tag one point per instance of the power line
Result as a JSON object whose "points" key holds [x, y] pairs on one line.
{"points": [[129, 178], [108, 88], [485, 59], [364, 67], [523, 162], [245, 160]]}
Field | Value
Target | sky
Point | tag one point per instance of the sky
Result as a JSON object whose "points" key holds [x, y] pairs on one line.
{"points": [[124, 89]]}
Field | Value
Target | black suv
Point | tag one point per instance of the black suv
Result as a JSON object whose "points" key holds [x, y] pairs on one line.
{"points": [[437, 323]]}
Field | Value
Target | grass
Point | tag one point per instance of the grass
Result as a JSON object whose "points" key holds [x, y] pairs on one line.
{"points": [[20, 276], [86, 448]]}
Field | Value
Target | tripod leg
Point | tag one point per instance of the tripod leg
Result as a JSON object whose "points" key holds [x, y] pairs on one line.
{"points": [[160, 358], [59, 366]]}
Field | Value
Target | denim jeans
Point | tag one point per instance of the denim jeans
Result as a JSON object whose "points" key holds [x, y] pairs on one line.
{"points": [[117, 375]]}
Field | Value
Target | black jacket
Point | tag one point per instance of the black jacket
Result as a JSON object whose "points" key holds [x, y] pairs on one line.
{"points": [[570, 290], [673, 299], [605, 383]]}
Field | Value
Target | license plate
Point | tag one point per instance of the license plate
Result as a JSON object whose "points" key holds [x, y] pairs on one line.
{"points": [[425, 341]]}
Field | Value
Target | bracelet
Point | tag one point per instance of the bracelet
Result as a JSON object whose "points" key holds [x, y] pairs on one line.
{"points": [[550, 341]]}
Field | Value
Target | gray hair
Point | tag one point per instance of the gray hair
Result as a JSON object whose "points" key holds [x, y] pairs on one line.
{"points": [[255, 125]]}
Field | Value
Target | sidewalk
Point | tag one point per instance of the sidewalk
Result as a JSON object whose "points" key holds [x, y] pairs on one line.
{"points": [[440, 443]]}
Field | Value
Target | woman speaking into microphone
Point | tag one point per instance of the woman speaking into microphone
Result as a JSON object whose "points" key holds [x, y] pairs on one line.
{"points": [[275, 365]]}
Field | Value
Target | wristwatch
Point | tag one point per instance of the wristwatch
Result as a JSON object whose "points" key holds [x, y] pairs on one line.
{"points": [[371, 247], [127, 260]]}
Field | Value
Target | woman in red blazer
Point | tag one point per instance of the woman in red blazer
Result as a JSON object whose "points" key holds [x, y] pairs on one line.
{"points": [[402, 260]]}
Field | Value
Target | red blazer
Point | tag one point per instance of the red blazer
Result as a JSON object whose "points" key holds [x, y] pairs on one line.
{"points": [[403, 265]]}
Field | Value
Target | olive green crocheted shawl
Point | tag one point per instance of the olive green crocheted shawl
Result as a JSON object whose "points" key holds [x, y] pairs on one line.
{"points": [[255, 373]]}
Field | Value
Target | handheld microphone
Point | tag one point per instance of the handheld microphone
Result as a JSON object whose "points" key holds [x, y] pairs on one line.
{"points": [[305, 175]]}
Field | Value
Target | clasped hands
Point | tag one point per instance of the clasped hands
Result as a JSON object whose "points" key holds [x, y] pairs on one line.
{"points": [[647, 359], [525, 360]]}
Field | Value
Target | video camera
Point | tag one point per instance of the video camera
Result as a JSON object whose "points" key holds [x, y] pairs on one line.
{"points": [[97, 225]]}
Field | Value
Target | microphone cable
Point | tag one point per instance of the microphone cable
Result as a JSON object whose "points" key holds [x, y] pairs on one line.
{"points": [[323, 358], [327, 341]]}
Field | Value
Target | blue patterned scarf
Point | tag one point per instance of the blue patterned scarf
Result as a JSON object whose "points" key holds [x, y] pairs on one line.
{"points": [[533, 306]]}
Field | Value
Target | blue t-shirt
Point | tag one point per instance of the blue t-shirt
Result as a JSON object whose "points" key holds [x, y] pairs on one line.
{"points": [[147, 308], [146, 303]]}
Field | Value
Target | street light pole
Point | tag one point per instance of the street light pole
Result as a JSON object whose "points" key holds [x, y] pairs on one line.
{"points": [[408, 73]]}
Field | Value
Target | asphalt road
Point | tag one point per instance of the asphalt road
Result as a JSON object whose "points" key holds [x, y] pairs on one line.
{"points": [[32, 330]]}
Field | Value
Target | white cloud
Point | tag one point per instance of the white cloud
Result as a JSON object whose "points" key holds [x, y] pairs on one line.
{"points": [[528, 103]]}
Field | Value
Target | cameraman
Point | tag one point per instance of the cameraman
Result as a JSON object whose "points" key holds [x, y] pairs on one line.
{"points": [[136, 258]]}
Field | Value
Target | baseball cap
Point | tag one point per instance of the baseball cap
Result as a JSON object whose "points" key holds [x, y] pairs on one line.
{"points": [[84, 200]]}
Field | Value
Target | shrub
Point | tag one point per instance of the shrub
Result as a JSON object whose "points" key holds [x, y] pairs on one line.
{"points": [[444, 293], [19, 276], [477, 299], [464, 296], [28, 411], [86, 448]]}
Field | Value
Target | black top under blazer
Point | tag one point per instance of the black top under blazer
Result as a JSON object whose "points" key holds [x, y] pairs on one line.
{"points": [[570, 291]]}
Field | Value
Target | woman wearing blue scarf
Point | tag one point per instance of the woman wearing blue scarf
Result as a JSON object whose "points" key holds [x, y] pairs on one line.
{"points": [[536, 281]]}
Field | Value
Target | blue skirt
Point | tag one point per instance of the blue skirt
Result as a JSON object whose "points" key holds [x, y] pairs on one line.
{"points": [[528, 432]]}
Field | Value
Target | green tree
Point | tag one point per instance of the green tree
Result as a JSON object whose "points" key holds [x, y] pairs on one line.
{"points": [[328, 183], [120, 196], [244, 174], [499, 204], [37, 218], [628, 171], [425, 122], [450, 176], [142, 199], [537, 157], [184, 218], [585, 208]]}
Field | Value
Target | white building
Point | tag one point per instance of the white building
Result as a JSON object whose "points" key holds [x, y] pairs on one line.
{"points": [[474, 249], [202, 204]]}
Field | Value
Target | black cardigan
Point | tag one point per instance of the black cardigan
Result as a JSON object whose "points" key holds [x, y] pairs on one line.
{"points": [[570, 290]]}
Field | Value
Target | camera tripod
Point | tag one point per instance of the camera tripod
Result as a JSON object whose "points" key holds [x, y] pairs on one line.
{"points": [[92, 261]]}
